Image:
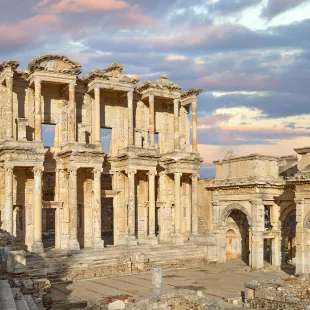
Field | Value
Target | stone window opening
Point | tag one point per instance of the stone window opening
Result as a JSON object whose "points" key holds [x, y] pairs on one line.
{"points": [[267, 222], [48, 134], [105, 139]]}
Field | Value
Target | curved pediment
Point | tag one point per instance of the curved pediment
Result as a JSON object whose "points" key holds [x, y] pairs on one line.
{"points": [[54, 63], [13, 64], [162, 83]]}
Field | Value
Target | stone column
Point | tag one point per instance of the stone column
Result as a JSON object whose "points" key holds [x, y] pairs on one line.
{"points": [[194, 125], [130, 118], [96, 129], [176, 124], [9, 113], [131, 205], [98, 242], [302, 255], [72, 113], [257, 238], [152, 121], [37, 246], [8, 207], [194, 204], [152, 205], [73, 242], [38, 111], [177, 238]]}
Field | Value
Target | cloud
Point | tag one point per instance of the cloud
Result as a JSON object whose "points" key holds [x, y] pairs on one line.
{"points": [[80, 6], [227, 7], [276, 7], [176, 57]]}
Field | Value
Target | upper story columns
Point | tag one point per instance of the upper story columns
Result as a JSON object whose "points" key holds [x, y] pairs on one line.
{"points": [[72, 114], [130, 118], [38, 111], [176, 108], [152, 120], [9, 113], [96, 123], [194, 125]]}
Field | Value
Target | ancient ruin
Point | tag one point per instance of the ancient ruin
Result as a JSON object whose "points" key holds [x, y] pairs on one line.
{"points": [[136, 204]]}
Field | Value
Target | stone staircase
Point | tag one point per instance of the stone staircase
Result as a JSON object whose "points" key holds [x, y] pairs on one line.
{"points": [[54, 263], [13, 299]]}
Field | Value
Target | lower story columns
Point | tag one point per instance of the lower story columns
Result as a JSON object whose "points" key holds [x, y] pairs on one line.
{"points": [[98, 243], [8, 207], [37, 246], [73, 244], [177, 238], [152, 205]]}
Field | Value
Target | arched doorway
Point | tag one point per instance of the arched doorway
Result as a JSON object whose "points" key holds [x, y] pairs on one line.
{"points": [[288, 244], [237, 235]]}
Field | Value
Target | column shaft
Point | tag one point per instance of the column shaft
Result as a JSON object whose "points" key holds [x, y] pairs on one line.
{"points": [[98, 242], [96, 129], [194, 125], [194, 204], [72, 114], [8, 208], [151, 175], [130, 118], [9, 113], [73, 242], [37, 246], [177, 202], [38, 111], [131, 203], [176, 124], [152, 121]]}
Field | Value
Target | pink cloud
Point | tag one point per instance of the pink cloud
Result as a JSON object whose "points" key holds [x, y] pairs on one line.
{"points": [[13, 35], [81, 6], [214, 119], [43, 19]]}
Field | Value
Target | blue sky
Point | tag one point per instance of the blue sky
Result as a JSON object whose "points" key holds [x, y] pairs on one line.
{"points": [[251, 58]]}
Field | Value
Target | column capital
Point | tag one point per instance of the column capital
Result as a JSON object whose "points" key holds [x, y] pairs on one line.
{"points": [[176, 101], [97, 90], [97, 172], [195, 176], [73, 170], [38, 170], [151, 173], [179, 174], [8, 168], [215, 203], [162, 173], [299, 201], [131, 172], [130, 95], [151, 98], [256, 202]]}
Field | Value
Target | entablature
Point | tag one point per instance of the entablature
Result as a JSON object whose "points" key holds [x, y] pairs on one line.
{"points": [[189, 96]]}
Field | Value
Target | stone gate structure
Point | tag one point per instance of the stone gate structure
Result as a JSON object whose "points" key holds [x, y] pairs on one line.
{"points": [[258, 208], [142, 191]]}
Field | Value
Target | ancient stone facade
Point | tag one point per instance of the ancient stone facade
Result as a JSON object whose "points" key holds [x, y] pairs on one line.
{"points": [[142, 191], [258, 208]]}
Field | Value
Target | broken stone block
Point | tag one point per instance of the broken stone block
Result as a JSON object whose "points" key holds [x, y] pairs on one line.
{"points": [[16, 262], [116, 305]]}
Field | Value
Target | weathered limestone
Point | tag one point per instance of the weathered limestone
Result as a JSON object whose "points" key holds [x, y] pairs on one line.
{"points": [[9, 85], [176, 124], [96, 128], [177, 238], [151, 121], [194, 125], [72, 113], [37, 246], [38, 111], [152, 203], [194, 215], [130, 118], [8, 208]]}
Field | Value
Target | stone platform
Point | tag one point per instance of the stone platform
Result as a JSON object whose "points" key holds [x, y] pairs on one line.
{"points": [[62, 266]]}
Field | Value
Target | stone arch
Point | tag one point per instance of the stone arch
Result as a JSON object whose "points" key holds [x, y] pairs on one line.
{"points": [[285, 213], [234, 206]]}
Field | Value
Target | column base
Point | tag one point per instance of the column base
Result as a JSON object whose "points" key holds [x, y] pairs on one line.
{"points": [[152, 240], [130, 240], [37, 247], [98, 243], [73, 245], [177, 239]]}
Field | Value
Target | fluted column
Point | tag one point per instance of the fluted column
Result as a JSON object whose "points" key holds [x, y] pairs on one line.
{"points": [[8, 208], [177, 202], [72, 113], [98, 242], [96, 129], [152, 121], [130, 118], [176, 124], [73, 242], [38, 111], [9, 113], [194, 204], [194, 125], [37, 246], [151, 176], [131, 203]]}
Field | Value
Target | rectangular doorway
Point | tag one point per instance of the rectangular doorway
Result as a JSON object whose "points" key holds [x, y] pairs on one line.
{"points": [[48, 227], [107, 227]]}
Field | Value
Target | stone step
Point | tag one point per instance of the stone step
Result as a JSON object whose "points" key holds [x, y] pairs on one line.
{"points": [[6, 296], [21, 304], [30, 302]]}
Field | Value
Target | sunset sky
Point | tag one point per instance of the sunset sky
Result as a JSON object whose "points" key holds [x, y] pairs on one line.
{"points": [[251, 58]]}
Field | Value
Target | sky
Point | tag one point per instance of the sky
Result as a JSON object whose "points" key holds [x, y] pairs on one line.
{"points": [[250, 57]]}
